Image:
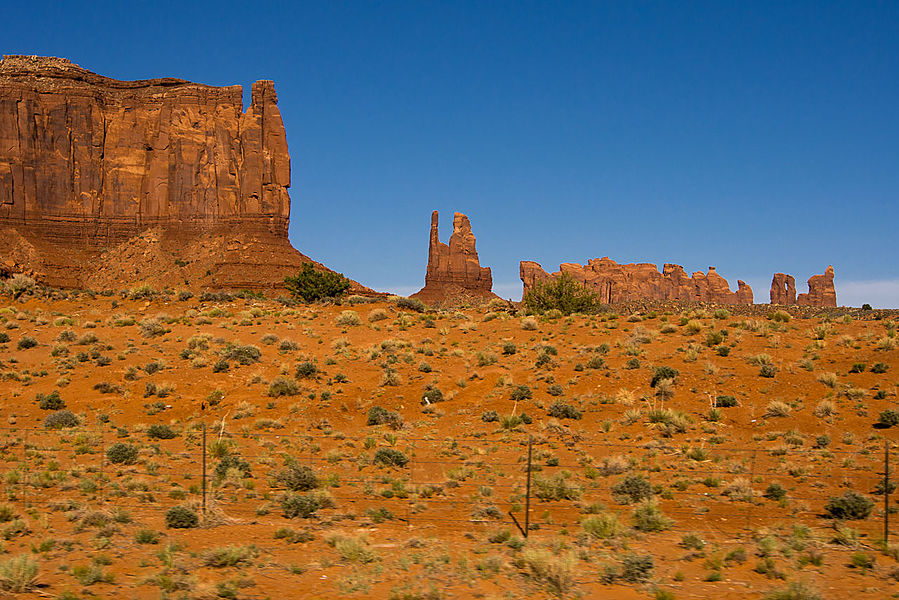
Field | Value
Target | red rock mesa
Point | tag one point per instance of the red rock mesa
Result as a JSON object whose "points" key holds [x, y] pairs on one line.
{"points": [[454, 270], [107, 183], [623, 283], [821, 291]]}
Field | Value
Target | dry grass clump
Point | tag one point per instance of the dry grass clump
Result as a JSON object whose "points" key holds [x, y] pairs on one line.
{"points": [[556, 573]]}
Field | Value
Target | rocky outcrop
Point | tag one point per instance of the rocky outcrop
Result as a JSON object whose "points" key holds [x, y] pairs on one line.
{"points": [[454, 270], [88, 163], [616, 283], [821, 291]]}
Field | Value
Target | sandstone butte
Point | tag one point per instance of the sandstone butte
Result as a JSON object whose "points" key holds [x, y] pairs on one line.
{"points": [[107, 184], [454, 270], [616, 283], [821, 291]]}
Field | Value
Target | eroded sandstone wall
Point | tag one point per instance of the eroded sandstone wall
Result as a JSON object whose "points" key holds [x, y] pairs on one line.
{"points": [[95, 159], [616, 283]]}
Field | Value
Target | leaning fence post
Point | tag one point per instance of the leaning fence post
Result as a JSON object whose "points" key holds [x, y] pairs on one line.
{"points": [[204, 468], [886, 495], [527, 498]]}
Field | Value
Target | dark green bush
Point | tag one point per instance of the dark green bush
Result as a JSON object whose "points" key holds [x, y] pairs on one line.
{"points": [[311, 285], [850, 505], [413, 304], [231, 461], [431, 395], [181, 517], [562, 293], [768, 371], [4, 337], [26, 342], [554, 389], [281, 386], [663, 372], [561, 410], [245, 355], [775, 491], [381, 416], [521, 392], [725, 402], [390, 457], [490, 416], [50, 401], [121, 454], [296, 478], [631, 489], [306, 370], [635, 568], [160, 432], [880, 368], [299, 505], [888, 418], [61, 419]]}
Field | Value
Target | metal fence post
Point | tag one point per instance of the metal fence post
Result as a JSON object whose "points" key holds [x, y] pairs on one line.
{"points": [[886, 494], [527, 498], [204, 468]]}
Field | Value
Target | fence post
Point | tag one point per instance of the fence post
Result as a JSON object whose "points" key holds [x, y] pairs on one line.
{"points": [[24, 469], [204, 468], [886, 495], [412, 458], [527, 498], [751, 478]]}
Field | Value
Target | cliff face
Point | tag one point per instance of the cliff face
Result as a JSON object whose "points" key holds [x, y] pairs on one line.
{"points": [[454, 270], [821, 291], [88, 163], [628, 282]]}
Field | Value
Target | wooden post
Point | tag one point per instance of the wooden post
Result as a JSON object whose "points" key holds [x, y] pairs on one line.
{"points": [[204, 468], [527, 498], [886, 495]]}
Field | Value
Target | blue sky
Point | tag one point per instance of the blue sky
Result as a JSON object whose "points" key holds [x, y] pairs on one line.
{"points": [[752, 136]]}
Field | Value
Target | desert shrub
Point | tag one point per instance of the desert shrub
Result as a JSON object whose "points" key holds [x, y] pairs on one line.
{"points": [[159, 431], [293, 537], [61, 419], [662, 373], [245, 355], [306, 370], [18, 574], [775, 491], [768, 371], [151, 328], [562, 293], [348, 318], [50, 401], [381, 416], [561, 410], [529, 324], [725, 402], [181, 517], [556, 487], [490, 416], [603, 526], [723, 350], [390, 457], [296, 478], [288, 346], [121, 454], [781, 316], [636, 568], [299, 505], [231, 462], [4, 337], [778, 408], [229, 556], [631, 489], [146, 536], [311, 285], [880, 367], [376, 314], [509, 348], [281, 386], [521, 392], [431, 395], [413, 304], [888, 418], [556, 573], [850, 505], [797, 590], [648, 517], [26, 342]]}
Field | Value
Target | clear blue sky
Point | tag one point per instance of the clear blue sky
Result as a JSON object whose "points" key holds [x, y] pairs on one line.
{"points": [[753, 136]]}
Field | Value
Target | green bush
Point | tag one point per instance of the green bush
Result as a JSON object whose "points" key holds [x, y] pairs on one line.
{"points": [[490, 416], [521, 392], [50, 401], [562, 293], [281, 386], [160, 432], [245, 355], [231, 461], [381, 416], [775, 491], [636, 568], [4, 337], [296, 478], [631, 489], [18, 574], [26, 343], [888, 418], [121, 454], [850, 505], [181, 517], [413, 304], [431, 395], [725, 402], [61, 419], [662, 373], [390, 457], [306, 370], [299, 505], [880, 368], [561, 410], [311, 285], [768, 371]]}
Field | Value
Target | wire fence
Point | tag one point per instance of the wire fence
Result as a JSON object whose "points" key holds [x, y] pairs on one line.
{"points": [[454, 482]]}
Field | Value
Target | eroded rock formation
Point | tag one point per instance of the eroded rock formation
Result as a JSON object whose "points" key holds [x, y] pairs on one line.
{"points": [[628, 282], [88, 163], [821, 291], [454, 270]]}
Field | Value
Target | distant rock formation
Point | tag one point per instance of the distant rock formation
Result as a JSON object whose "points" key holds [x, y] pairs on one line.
{"points": [[627, 282], [454, 270], [821, 291], [88, 163]]}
